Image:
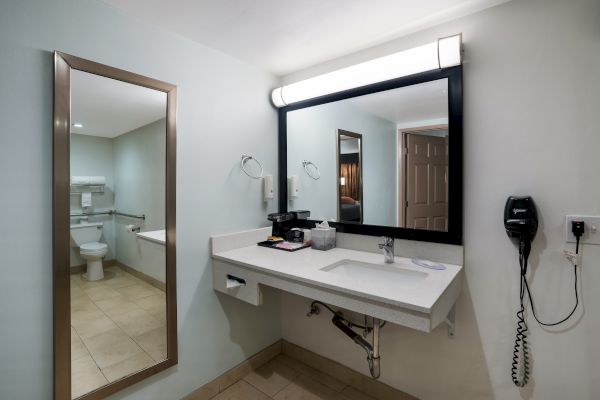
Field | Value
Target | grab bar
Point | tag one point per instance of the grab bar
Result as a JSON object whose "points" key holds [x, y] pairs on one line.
{"points": [[109, 212], [142, 217]]}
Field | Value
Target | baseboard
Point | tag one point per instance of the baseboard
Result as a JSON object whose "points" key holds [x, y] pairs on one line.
{"points": [[219, 384], [80, 269], [350, 377], [140, 275]]}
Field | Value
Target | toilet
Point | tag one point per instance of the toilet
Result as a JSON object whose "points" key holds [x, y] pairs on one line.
{"points": [[86, 236]]}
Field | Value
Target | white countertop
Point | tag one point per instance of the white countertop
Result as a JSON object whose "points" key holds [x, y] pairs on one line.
{"points": [[159, 236], [305, 265]]}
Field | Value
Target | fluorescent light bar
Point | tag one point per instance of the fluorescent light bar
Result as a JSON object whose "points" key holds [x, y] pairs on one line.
{"points": [[445, 52]]}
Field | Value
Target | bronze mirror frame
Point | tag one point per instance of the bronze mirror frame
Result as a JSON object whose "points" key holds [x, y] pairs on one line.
{"points": [[63, 64], [338, 134]]}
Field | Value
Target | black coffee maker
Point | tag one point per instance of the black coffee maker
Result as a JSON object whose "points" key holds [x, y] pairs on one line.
{"points": [[284, 222]]}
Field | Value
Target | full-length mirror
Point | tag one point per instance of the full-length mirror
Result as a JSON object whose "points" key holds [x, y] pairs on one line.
{"points": [[120, 261], [389, 158], [349, 176]]}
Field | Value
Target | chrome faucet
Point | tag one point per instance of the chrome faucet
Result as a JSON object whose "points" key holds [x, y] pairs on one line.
{"points": [[388, 249]]}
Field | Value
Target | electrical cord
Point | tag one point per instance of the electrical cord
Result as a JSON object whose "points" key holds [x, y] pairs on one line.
{"points": [[521, 346], [524, 271]]}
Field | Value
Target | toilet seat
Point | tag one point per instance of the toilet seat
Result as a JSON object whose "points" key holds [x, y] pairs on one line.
{"points": [[93, 249]]}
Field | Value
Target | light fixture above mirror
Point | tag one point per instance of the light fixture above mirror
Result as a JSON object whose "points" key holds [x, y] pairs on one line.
{"points": [[443, 53]]}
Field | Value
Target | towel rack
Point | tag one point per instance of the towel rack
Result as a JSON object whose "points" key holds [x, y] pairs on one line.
{"points": [[78, 189], [245, 159], [314, 173]]}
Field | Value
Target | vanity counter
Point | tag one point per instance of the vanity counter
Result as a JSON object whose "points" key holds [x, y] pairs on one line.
{"points": [[306, 266], [420, 297]]}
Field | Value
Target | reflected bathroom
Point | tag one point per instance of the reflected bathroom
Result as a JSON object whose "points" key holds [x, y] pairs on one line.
{"points": [[117, 230]]}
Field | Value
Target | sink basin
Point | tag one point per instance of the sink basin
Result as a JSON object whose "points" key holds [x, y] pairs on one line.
{"points": [[373, 274]]}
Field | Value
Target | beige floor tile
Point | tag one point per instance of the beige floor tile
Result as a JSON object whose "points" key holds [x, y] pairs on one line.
{"points": [[328, 381], [86, 376], [101, 293], [137, 291], [83, 303], [78, 349], [87, 328], [116, 270], [82, 283], [76, 292], [305, 388], [75, 279], [111, 347], [271, 377], [242, 391], [353, 394], [87, 314], [153, 304], [295, 364], [136, 322], [206, 392], [161, 316], [120, 281], [154, 342], [117, 305], [128, 366]]}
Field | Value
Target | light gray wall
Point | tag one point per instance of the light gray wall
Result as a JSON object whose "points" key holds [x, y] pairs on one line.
{"points": [[531, 100], [312, 136], [93, 155], [139, 158], [213, 196]]}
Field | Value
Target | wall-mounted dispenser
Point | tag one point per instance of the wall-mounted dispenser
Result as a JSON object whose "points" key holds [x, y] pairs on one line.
{"points": [[268, 193], [293, 186]]}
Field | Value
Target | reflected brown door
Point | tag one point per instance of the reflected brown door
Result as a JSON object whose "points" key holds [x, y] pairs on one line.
{"points": [[426, 182]]}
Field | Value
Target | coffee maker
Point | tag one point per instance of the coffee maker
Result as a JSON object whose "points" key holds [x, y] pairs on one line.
{"points": [[284, 222]]}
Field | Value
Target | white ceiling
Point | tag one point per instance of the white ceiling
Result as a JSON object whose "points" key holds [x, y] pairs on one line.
{"points": [[407, 105], [108, 108], [286, 36]]}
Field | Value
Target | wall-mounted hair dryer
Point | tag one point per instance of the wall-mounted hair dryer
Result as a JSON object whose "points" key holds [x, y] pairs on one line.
{"points": [[521, 223], [520, 217]]}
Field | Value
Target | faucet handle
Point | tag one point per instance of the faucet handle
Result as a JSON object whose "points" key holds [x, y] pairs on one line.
{"points": [[387, 242]]}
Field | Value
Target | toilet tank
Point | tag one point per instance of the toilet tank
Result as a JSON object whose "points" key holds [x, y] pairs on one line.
{"points": [[85, 232]]}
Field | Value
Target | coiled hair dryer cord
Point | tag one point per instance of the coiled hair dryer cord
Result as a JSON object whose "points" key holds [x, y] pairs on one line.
{"points": [[520, 376]]}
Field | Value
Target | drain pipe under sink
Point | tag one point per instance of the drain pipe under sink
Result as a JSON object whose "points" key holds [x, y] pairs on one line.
{"points": [[373, 357]]}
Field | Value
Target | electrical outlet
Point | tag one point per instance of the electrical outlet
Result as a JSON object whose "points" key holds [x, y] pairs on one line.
{"points": [[591, 235]]}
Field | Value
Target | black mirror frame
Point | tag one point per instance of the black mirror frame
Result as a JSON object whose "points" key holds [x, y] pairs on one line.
{"points": [[455, 154]]}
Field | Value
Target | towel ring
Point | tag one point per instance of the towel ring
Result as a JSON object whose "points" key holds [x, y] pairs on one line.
{"points": [[245, 159], [314, 173]]}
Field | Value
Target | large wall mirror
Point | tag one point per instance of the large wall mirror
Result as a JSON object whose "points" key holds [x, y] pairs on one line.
{"points": [[388, 157], [115, 299]]}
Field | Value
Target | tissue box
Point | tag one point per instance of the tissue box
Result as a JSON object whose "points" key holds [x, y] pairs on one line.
{"points": [[322, 238]]}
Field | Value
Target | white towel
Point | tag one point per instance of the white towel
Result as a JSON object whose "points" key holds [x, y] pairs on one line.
{"points": [[88, 180], [80, 180], [97, 180], [86, 199]]}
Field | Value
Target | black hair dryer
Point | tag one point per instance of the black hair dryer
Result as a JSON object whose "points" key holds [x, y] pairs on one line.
{"points": [[520, 219]]}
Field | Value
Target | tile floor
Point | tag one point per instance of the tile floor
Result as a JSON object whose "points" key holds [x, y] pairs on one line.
{"points": [[285, 378], [118, 326]]}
